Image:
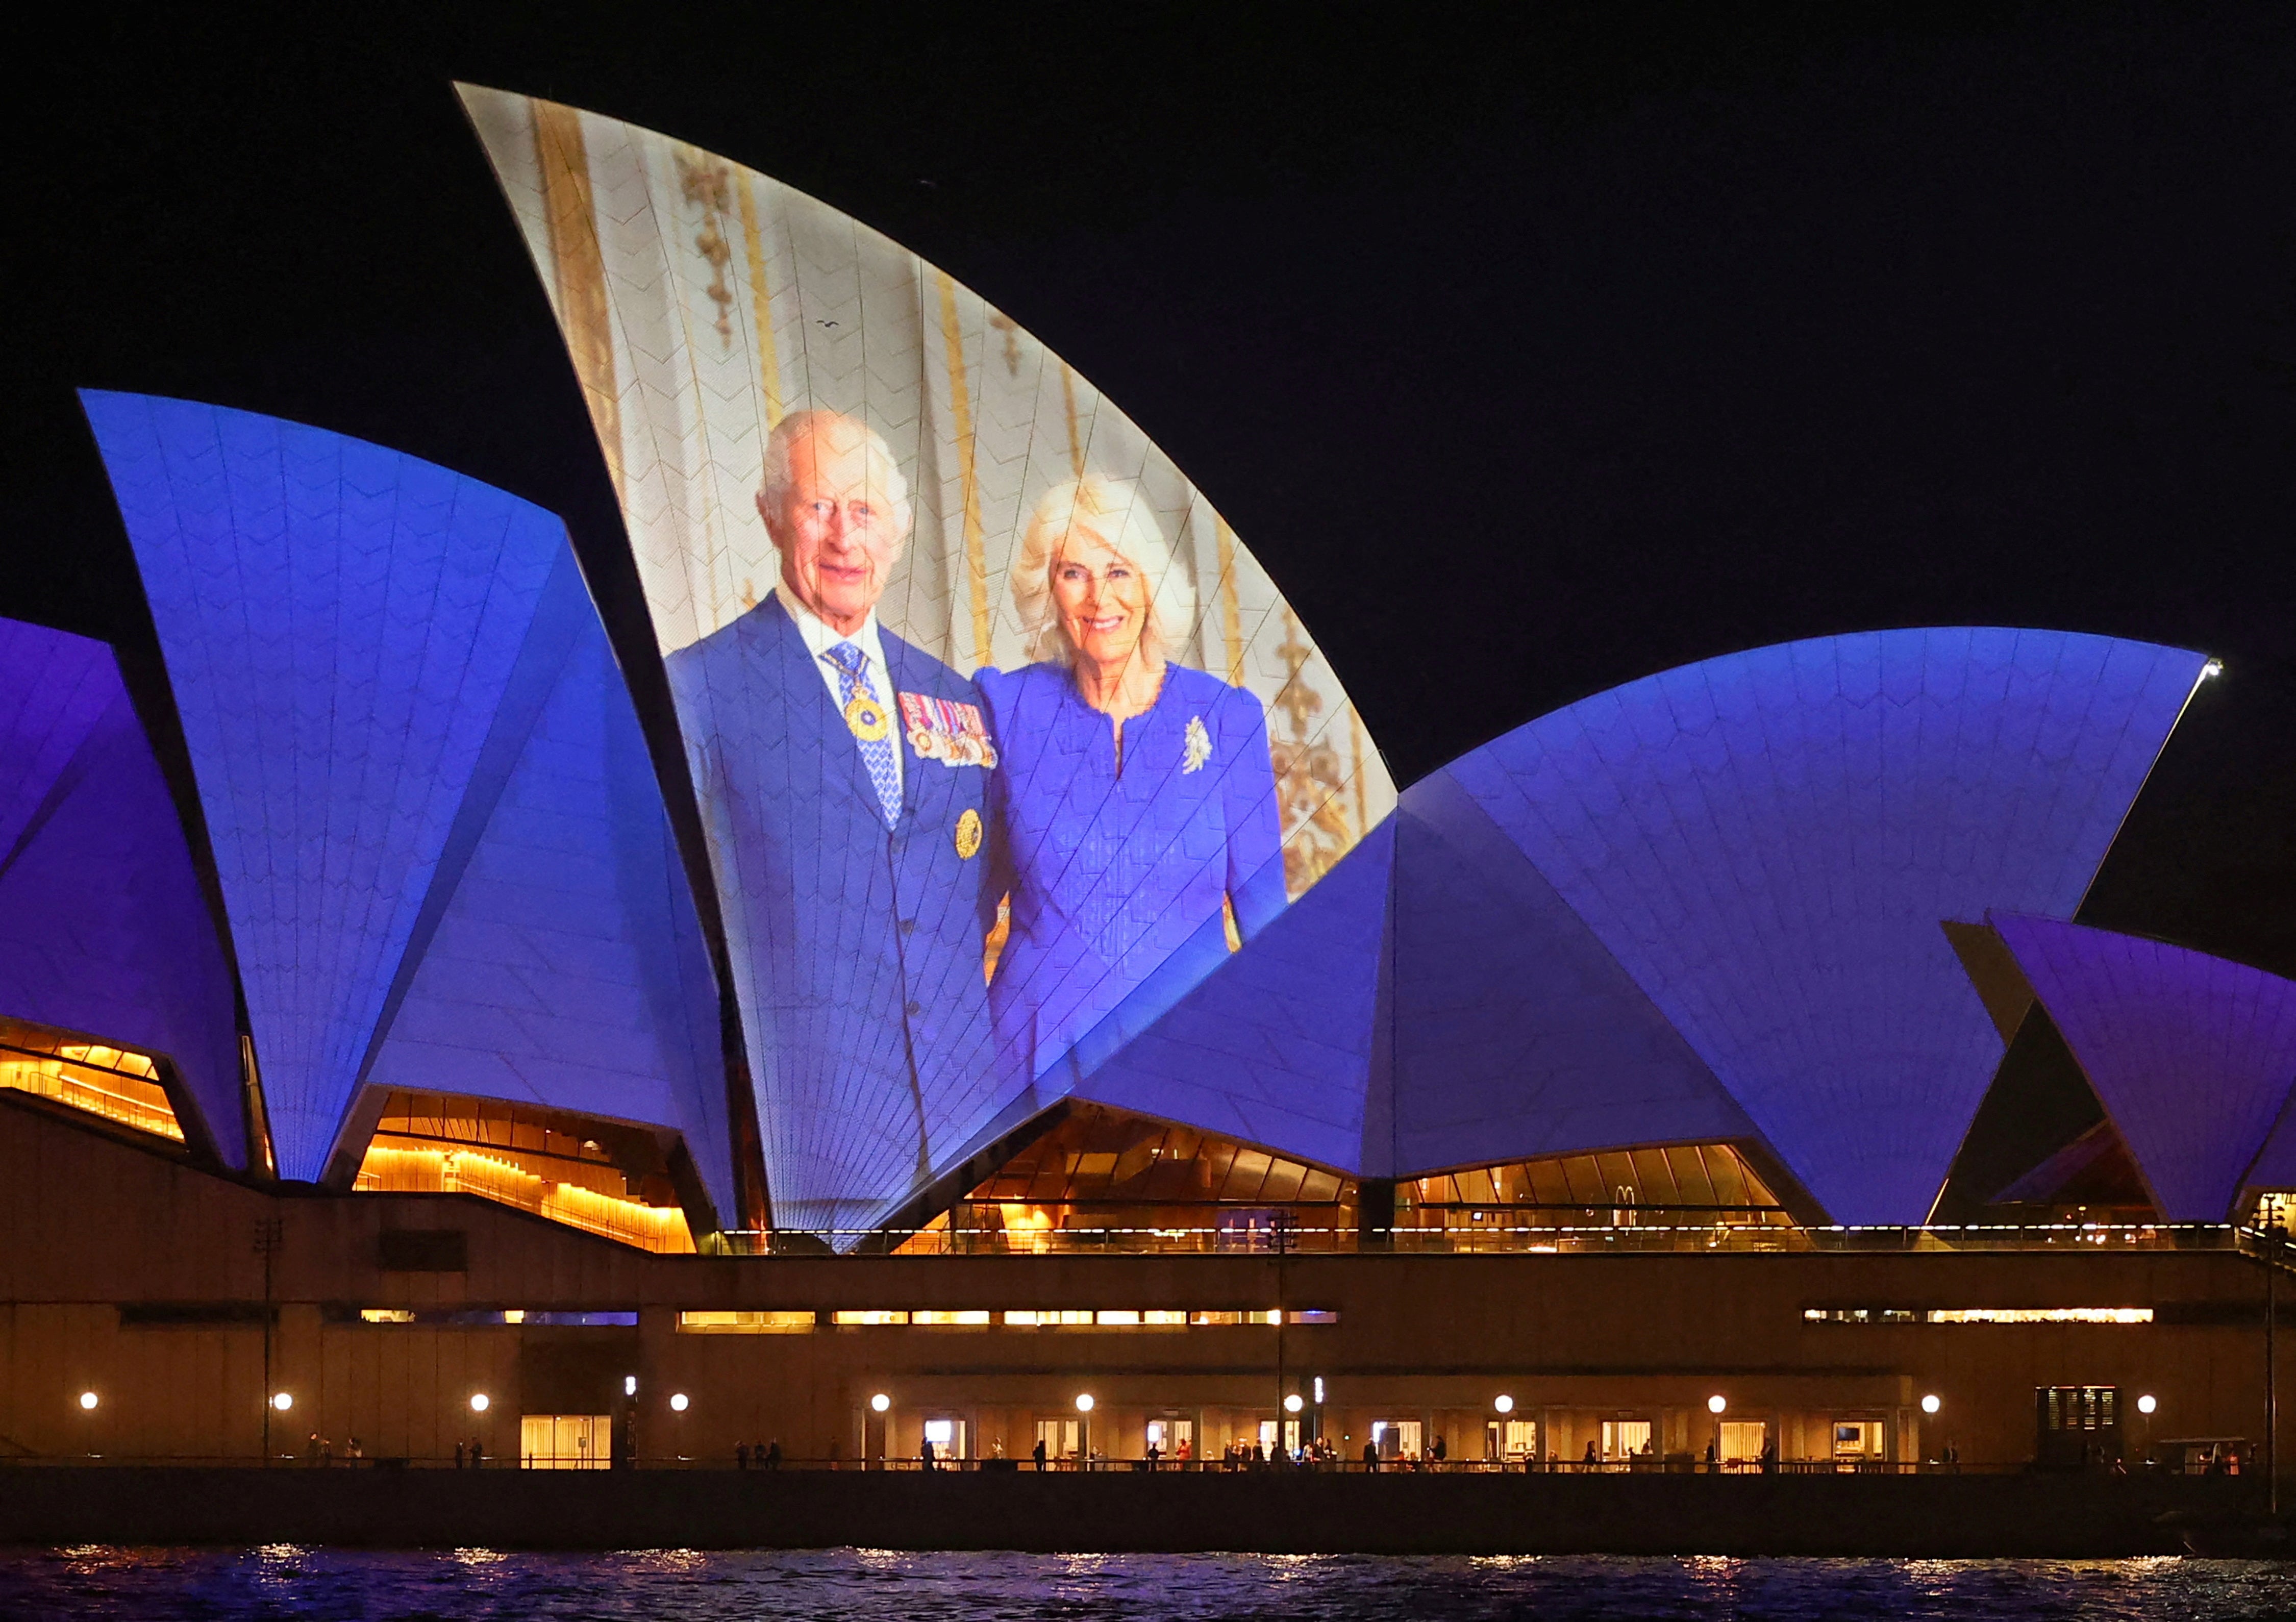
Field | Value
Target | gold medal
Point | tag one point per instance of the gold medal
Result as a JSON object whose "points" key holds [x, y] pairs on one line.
{"points": [[968, 834], [867, 718]]}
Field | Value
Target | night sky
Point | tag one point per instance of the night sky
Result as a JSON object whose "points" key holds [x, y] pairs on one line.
{"points": [[1531, 354]]}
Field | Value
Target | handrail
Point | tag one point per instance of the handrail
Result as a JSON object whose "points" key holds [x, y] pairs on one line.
{"points": [[1489, 1239]]}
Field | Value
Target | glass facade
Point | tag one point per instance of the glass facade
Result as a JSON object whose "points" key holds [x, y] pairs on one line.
{"points": [[120, 1086], [604, 1179]]}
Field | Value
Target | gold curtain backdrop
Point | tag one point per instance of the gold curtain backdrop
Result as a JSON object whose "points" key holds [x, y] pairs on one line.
{"points": [[701, 301]]}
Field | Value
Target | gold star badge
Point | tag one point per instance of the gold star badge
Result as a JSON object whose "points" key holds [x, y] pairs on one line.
{"points": [[867, 717]]}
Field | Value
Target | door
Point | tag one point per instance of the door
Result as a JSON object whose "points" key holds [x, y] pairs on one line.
{"points": [[565, 1441], [1743, 1441]]}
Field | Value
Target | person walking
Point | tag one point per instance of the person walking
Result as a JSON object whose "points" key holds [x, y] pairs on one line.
{"points": [[1038, 1453]]}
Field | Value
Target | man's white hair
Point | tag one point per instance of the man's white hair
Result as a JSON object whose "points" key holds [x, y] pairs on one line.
{"points": [[840, 430], [1116, 512]]}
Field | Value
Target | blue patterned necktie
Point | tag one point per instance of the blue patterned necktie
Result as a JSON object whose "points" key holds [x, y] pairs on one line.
{"points": [[876, 753]]}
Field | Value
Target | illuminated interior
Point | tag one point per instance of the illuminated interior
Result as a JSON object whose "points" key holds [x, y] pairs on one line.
{"points": [[1678, 1185], [1135, 1184], [591, 1175], [119, 1085]]}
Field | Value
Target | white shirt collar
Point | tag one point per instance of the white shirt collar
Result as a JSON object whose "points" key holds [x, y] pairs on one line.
{"points": [[819, 638]]}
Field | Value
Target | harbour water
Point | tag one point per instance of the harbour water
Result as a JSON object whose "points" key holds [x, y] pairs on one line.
{"points": [[123, 1585]]}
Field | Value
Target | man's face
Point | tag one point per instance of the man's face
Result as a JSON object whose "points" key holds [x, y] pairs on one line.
{"points": [[836, 528]]}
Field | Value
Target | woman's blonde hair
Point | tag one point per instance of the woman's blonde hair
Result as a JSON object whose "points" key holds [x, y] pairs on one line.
{"points": [[1115, 510]]}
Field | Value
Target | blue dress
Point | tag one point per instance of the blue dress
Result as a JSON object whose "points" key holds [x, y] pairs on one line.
{"points": [[1116, 878]]}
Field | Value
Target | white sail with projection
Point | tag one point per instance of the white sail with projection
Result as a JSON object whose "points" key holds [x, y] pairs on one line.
{"points": [[717, 320]]}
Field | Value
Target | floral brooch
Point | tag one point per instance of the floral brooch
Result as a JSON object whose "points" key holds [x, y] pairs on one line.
{"points": [[1198, 747]]}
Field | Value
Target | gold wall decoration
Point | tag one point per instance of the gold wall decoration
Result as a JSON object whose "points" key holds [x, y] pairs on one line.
{"points": [[579, 270], [976, 555], [705, 180], [1308, 775]]}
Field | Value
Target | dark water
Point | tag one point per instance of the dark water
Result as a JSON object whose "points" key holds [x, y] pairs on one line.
{"points": [[138, 1584]]}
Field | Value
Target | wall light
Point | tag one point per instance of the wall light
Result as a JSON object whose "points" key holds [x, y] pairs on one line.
{"points": [[2214, 667], [1502, 1403], [88, 1400], [1319, 1390], [880, 1402], [629, 1385], [1291, 1403], [1930, 1403], [477, 1402], [1084, 1402], [1716, 1404], [282, 1402], [678, 1403], [2147, 1403]]}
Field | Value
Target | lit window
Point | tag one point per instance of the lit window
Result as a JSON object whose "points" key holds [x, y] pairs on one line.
{"points": [[1215, 1319], [1116, 1319], [2042, 1315], [868, 1319], [940, 1432], [1977, 1314], [1316, 1315], [745, 1322], [386, 1314], [947, 1320], [1157, 1316]]}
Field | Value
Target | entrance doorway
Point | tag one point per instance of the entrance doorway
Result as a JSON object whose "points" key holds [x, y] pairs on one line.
{"points": [[1743, 1441], [1396, 1438], [565, 1441], [1511, 1441], [1172, 1439], [946, 1436], [1059, 1436], [1627, 1438]]}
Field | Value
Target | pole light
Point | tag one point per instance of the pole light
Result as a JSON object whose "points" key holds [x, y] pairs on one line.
{"points": [[678, 1403], [2147, 1403], [880, 1402], [88, 1401], [1084, 1402], [1502, 1403], [629, 1385], [282, 1402], [1292, 1404], [1931, 1403], [1717, 1404], [477, 1402]]}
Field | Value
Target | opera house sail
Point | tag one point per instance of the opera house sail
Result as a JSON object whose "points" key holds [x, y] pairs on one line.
{"points": [[956, 653]]}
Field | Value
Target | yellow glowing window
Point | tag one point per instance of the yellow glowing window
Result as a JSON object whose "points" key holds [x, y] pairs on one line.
{"points": [[1154, 1317], [385, 1314], [1215, 1318], [104, 1081], [950, 1319], [2041, 1314], [868, 1320], [1115, 1320], [744, 1323]]}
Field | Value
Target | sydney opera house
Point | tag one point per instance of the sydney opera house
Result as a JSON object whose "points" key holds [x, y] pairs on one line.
{"points": [[968, 982]]}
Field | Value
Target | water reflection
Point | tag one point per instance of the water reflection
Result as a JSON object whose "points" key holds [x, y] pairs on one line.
{"points": [[882, 1586]]}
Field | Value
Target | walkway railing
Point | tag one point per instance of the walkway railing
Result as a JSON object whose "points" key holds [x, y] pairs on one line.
{"points": [[1607, 1237]]}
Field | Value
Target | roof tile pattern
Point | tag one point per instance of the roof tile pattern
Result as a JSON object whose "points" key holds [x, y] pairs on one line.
{"points": [[2192, 1056], [379, 665], [1768, 843], [110, 934]]}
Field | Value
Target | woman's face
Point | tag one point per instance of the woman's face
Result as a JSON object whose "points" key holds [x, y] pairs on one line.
{"points": [[1102, 598]]}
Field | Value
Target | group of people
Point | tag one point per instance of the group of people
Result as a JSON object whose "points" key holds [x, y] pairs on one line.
{"points": [[764, 1455], [321, 1450], [879, 816]]}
